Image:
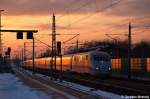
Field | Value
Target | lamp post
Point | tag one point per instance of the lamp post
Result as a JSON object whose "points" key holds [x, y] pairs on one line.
{"points": [[0, 34], [33, 56]]}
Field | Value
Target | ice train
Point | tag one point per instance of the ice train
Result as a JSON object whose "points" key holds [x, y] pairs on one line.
{"points": [[92, 62]]}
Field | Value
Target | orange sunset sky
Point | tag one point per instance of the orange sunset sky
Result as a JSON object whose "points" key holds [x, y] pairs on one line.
{"points": [[92, 19]]}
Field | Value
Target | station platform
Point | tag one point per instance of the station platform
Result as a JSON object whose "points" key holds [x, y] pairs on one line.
{"points": [[48, 87], [5, 68], [44, 86]]}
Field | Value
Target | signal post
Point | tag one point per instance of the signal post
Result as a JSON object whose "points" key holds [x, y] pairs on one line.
{"points": [[20, 36]]}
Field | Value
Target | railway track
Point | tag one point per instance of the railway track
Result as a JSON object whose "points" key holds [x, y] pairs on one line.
{"points": [[115, 85], [111, 84]]}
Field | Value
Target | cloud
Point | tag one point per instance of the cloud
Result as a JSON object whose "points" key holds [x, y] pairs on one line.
{"points": [[44, 7], [59, 27], [131, 8], [126, 8], [41, 7]]}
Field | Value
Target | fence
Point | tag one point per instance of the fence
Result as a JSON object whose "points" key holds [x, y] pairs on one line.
{"points": [[140, 67]]}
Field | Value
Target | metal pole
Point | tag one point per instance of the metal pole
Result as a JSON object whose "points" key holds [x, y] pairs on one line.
{"points": [[60, 68], [33, 56], [61, 63], [52, 55], [53, 62], [54, 40], [129, 52], [24, 51], [77, 45], [0, 35], [20, 59], [22, 54]]}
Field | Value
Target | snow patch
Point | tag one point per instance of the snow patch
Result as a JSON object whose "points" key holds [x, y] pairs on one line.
{"points": [[82, 88], [89, 90], [12, 88], [75, 86]]}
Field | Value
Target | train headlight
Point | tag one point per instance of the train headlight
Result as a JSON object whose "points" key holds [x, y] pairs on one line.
{"points": [[109, 68], [97, 68]]}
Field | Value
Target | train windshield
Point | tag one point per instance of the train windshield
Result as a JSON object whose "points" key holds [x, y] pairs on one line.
{"points": [[101, 58]]}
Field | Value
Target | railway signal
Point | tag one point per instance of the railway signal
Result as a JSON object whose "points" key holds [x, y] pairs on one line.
{"points": [[7, 53], [29, 35], [19, 35], [9, 49], [59, 48]]}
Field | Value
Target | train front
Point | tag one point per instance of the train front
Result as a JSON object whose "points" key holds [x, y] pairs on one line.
{"points": [[101, 63]]}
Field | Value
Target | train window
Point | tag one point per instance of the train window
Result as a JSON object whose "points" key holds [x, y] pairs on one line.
{"points": [[101, 58], [80, 58], [76, 58]]}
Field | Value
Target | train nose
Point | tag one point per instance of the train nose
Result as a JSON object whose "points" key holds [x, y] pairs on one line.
{"points": [[109, 68], [97, 68]]}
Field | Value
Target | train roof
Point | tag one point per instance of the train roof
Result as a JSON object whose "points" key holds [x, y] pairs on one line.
{"points": [[89, 52], [95, 52]]}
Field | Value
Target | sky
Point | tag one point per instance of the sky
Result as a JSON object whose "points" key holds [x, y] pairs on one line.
{"points": [[92, 19]]}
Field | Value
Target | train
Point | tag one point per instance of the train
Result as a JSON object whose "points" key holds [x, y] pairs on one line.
{"points": [[95, 62], [92, 62]]}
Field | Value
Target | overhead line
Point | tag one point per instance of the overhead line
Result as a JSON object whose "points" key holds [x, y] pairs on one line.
{"points": [[101, 10], [43, 43], [87, 17], [70, 38], [84, 5]]}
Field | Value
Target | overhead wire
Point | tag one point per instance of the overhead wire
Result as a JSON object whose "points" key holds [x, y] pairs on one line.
{"points": [[87, 3], [101, 10], [89, 16], [70, 39], [76, 9]]}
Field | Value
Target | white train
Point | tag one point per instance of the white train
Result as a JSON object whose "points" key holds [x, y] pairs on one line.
{"points": [[93, 62]]}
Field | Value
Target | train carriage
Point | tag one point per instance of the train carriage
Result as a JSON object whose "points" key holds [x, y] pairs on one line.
{"points": [[93, 62]]}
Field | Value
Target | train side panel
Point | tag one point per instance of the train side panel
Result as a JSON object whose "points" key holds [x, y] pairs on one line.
{"points": [[42, 63], [81, 63], [66, 63], [94, 63]]}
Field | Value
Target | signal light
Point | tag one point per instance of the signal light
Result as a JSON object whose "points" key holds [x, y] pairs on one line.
{"points": [[59, 48], [29, 35], [9, 49], [7, 53], [19, 35]]}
